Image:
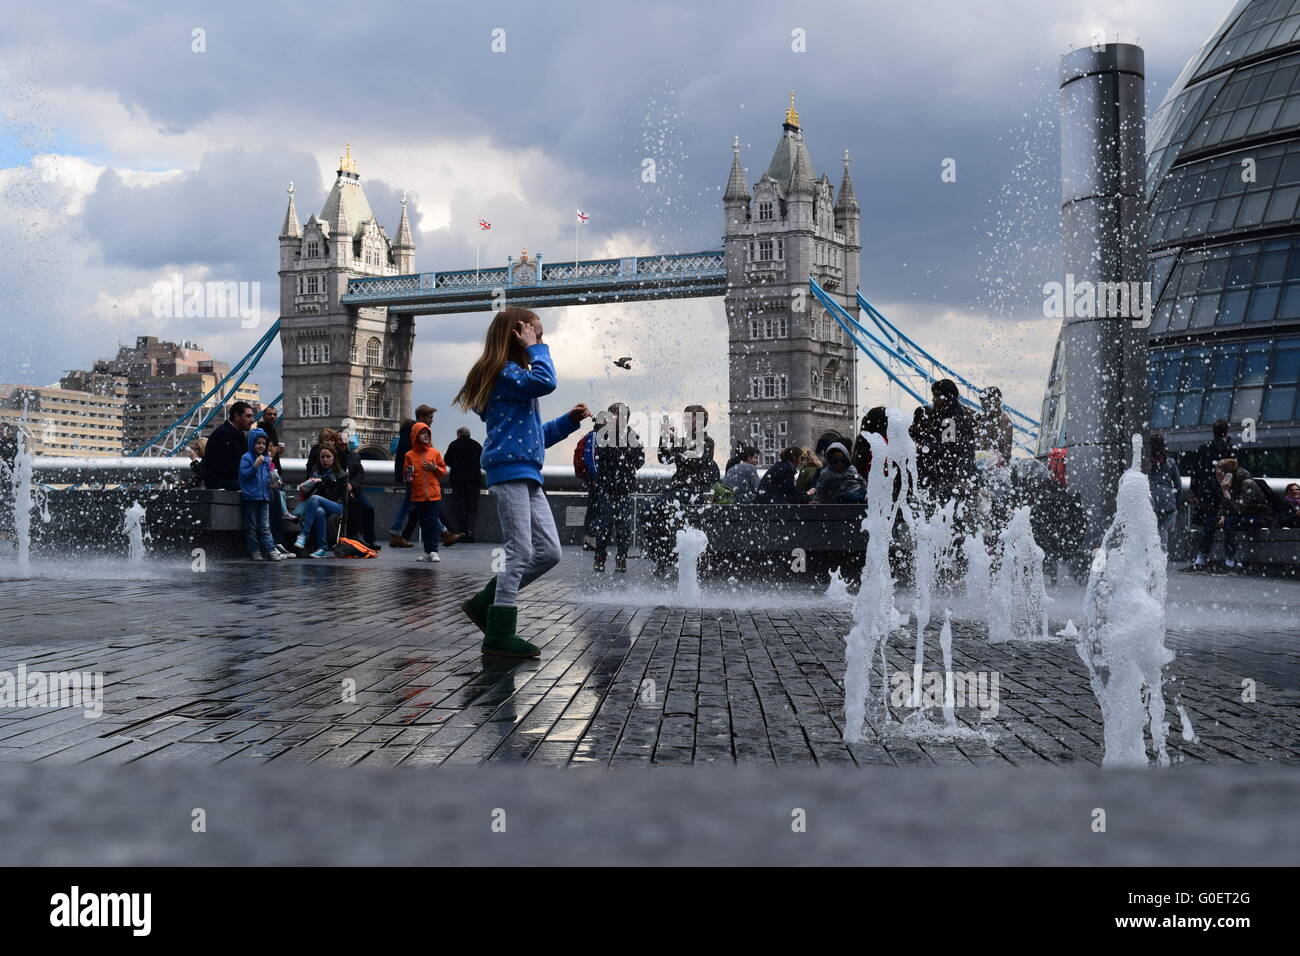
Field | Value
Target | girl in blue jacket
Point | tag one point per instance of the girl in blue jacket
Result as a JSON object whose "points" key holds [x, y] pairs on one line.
{"points": [[257, 482], [502, 388]]}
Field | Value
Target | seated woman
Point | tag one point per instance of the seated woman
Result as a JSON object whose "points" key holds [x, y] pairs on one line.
{"points": [[326, 490], [778, 484], [839, 482], [809, 465], [1291, 502], [742, 476]]}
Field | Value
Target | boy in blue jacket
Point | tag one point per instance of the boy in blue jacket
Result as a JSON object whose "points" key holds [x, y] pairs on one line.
{"points": [[256, 482]]}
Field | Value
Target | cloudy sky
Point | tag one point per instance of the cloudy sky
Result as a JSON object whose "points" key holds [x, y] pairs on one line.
{"points": [[127, 157]]}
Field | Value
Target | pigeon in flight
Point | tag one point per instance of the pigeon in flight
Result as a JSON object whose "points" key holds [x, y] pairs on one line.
{"points": [[624, 362]]}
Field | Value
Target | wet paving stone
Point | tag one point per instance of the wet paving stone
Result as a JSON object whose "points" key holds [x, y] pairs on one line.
{"points": [[372, 663]]}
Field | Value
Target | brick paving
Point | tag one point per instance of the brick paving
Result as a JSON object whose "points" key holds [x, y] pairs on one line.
{"points": [[246, 663]]}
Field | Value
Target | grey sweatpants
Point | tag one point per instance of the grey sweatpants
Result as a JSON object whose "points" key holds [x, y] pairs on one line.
{"points": [[532, 543]]}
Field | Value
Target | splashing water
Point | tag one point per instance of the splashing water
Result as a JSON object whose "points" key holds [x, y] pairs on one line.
{"points": [[1017, 607], [26, 497], [979, 572], [945, 644], [838, 588], [133, 527], [691, 543], [1123, 638], [1189, 734], [873, 611], [933, 537]]}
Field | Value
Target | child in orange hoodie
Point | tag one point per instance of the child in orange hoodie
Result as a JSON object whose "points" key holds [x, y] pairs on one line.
{"points": [[424, 470]]}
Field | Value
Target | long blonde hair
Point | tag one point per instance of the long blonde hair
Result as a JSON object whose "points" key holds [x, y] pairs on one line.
{"points": [[500, 346]]}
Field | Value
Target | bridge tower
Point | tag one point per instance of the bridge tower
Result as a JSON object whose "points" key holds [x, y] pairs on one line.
{"points": [[792, 368], [342, 362]]}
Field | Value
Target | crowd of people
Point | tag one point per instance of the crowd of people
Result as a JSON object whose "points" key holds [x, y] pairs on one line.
{"points": [[243, 454]]}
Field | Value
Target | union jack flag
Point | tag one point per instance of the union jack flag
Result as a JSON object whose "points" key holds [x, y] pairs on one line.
{"points": [[583, 217], [484, 224]]}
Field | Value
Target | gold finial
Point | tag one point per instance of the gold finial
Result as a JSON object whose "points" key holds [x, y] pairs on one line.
{"points": [[523, 255], [346, 163], [792, 117]]}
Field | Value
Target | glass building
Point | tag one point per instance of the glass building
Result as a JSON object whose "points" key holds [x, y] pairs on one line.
{"points": [[1223, 187]]}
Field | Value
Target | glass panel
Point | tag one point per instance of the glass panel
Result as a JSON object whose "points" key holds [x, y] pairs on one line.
{"points": [[1188, 409], [1254, 363], [1192, 270], [1278, 403], [1290, 169], [1224, 370], [1200, 218], [1224, 214], [1282, 205], [1286, 366], [1264, 118], [1290, 308], [1213, 276], [1161, 321], [1242, 271], [1238, 124], [1232, 308], [1245, 404], [1162, 411], [1252, 209], [1182, 312], [1216, 406], [1207, 306], [1263, 303]]}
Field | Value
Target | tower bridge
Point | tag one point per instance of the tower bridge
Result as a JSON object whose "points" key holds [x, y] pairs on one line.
{"points": [[787, 272]]}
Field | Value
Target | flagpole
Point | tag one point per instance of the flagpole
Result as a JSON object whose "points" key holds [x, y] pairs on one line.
{"points": [[478, 240]]}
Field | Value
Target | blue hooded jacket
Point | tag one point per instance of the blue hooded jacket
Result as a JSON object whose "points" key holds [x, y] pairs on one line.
{"points": [[255, 483], [517, 439]]}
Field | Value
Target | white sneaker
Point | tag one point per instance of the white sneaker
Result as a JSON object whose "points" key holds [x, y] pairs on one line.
{"points": [[1199, 562], [283, 551], [430, 558], [277, 556]]}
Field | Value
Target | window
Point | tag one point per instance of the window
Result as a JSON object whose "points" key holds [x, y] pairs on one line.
{"points": [[373, 348], [372, 407], [388, 408], [313, 249], [359, 406], [302, 447], [390, 357], [773, 326], [755, 429], [816, 379], [302, 355], [765, 249], [765, 211], [314, 284], [352, 353]]}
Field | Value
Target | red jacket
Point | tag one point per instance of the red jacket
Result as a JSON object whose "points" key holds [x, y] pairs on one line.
{"points": [[425, 485]]}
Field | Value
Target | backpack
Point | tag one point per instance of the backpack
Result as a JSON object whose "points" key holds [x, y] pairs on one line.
{"points": [[583, 457], [349, 548]]}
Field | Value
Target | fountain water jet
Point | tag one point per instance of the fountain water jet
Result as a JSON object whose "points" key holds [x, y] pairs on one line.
{"points": [[1123, 639], [133, 528], [691, 543], [1017, 607]]}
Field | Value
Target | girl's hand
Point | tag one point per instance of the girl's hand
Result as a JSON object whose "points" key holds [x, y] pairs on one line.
{"points": [[579, 412], [526, 333]]}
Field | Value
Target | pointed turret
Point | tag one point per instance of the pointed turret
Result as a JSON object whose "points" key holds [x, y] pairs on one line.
{"points": [[801, 177], [736, 188], [403, 246], [847, 202], [291, 229]]}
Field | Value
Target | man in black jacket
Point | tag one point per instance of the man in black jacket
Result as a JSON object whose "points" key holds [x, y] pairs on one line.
{"points": [[463, 457], [1207, 496], [399, 535], [226, 445], [619, 453]]}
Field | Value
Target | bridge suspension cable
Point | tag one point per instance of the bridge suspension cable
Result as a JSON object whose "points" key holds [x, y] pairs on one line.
{"points": [[199, 415], [908, 365]]}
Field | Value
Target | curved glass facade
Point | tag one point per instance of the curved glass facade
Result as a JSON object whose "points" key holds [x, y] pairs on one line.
{"points": [[1223, 187]]}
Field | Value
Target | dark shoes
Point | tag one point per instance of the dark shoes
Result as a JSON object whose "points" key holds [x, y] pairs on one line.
{"points": [[397, 541], [620, 563], [599, 566]]}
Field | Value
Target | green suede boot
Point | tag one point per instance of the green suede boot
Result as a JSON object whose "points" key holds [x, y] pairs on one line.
{"points": [[476, 608], [501, 639]]}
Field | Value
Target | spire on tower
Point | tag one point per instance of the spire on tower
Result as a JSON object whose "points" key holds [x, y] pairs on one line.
{"points": [[736, 188], [291, 229], [791, 115], [404, 238], [801, 176], [848, 200]]}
